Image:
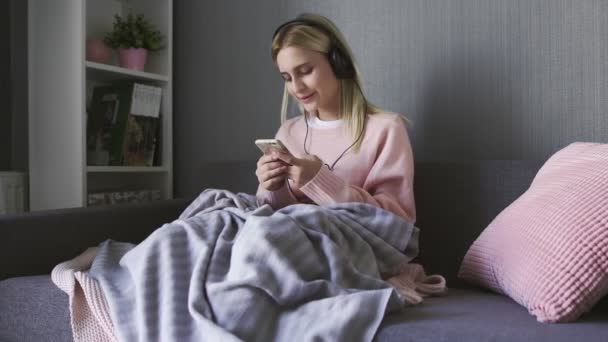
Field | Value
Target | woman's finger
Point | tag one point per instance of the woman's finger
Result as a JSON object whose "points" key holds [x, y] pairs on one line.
{"points": [[292, 172], [271, 173], [267, 158], [272, 166], [287, 158], [262, 161], [274, 182], [276, 171]]}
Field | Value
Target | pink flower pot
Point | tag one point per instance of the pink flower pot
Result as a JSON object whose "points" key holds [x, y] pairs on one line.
{"points": [[132, 58], [97, 51]]}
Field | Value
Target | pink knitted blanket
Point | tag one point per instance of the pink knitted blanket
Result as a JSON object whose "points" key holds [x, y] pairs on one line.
{"points": [[89, 311]]}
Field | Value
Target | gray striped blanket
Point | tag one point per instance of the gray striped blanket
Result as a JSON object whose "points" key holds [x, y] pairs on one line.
{"points": [[230, 270]]}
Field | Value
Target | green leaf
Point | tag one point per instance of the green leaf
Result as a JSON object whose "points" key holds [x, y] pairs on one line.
{"points": [[134, 31]]}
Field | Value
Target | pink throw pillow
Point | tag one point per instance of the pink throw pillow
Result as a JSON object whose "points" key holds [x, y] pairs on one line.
{"points": [[548, 250]]}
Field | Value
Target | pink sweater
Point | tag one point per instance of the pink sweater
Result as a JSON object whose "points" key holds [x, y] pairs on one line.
{"points": [[381, 173]]}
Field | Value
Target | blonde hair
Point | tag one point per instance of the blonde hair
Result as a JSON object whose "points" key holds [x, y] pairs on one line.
{"points": [[353, 105]]}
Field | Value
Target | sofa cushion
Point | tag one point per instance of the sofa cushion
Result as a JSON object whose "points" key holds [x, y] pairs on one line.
{"points": [[54, 236], [33, 309], [549, 249], [475, 315]]}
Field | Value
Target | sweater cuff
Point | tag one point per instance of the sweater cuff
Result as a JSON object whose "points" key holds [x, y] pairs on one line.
{"points": [[325, 187], [277, 199]]}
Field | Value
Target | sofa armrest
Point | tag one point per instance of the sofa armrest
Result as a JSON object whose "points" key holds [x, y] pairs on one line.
{"points": [[33, 243]]}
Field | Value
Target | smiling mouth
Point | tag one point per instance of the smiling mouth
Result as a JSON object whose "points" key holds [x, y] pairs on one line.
{"points": [[306, 97]]}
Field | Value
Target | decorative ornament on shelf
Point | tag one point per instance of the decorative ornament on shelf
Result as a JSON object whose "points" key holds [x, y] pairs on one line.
{"points": [[133, 37]]}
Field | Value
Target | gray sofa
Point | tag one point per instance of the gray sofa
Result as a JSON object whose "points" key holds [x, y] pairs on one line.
{"points": [[455, 201]]}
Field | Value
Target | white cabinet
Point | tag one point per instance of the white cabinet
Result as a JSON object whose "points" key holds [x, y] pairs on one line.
{"points": [[59, 86]]}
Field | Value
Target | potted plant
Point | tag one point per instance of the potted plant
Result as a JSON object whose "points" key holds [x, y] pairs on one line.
{"points": [[97, 51], [133, 37]]}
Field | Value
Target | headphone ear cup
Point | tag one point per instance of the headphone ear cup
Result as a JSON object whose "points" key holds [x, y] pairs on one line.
{"points": [[340, 64]]}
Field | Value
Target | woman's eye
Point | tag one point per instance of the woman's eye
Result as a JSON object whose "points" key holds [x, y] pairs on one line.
{"points": [[300, 72]]}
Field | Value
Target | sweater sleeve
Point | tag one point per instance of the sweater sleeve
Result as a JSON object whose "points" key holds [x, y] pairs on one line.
{"points": [[389, 184]]}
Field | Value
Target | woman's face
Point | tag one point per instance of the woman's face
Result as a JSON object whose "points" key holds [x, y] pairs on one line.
{"points": [[310, 80]]}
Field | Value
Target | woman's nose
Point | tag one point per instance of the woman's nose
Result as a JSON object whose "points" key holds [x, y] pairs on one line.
{"points": [[298, 84]]}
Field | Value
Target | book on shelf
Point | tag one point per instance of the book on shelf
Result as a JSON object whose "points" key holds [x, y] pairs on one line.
{"points": [[122, 197], [101, 121], [123, 124]]}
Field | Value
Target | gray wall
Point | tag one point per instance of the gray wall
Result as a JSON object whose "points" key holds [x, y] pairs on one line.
{"points": [[480, 79], [5, 97]]}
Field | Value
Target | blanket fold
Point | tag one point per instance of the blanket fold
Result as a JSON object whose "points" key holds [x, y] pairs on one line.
{"points": [[229, 270]]}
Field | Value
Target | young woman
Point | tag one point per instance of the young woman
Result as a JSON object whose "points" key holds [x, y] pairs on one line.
{"points": [[342, 148]]}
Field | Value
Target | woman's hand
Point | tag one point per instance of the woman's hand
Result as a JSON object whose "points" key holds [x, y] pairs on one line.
{"points": [[271, 172], [301, 170]]}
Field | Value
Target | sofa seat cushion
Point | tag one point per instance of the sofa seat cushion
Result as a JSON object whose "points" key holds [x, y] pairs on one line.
{"points": [[477, 315], [33, 309]]}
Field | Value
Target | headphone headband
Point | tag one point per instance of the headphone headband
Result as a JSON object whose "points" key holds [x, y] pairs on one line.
{"points": [[339, 60], [302, 21]]}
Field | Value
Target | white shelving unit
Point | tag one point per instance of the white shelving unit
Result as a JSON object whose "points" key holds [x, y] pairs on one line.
{"points": [[106, 72], [60, 80]]}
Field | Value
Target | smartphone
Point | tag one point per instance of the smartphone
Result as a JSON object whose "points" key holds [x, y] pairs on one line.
{"points": [[269, 145]]}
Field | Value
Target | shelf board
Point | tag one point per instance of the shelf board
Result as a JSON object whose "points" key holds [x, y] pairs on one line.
{"points": [[107, 72], [119, 169]]}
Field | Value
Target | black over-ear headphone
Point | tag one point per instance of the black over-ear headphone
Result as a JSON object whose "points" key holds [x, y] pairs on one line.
{"points": [[340, 62]]}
